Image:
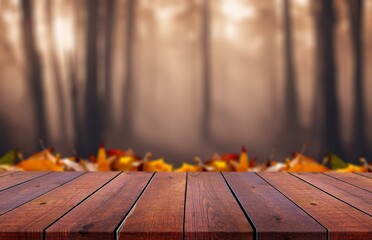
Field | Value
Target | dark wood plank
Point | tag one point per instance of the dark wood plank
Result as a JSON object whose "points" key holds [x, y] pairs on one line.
{"points": [[365, 174], [17, 178], [159, 212], [353, 179], [212, 212], [273, 215], [15, 196], [99, 215], [359, 198], [29, 220], [341, 220]]}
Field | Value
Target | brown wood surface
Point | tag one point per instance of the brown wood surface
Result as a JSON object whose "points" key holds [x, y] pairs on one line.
{"points": [[4, 173], [15, 196], [366, 174], [341, 220], [99, 215], [358, 198], [29, 220], [212, 211], [353, 179], [273, 214], [18, 177], [138, 205], [159, 212]]}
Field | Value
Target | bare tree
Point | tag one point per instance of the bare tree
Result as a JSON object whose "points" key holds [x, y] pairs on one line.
{"points": [[324, 30], [109, 22], [356, 17], [34, 76], [318, 108], [56, 71], [291, 101], [207, 83], [128, 86], [93, 113]]}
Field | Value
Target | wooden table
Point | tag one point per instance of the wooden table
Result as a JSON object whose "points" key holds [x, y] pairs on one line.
{"points": [[138, 205]]}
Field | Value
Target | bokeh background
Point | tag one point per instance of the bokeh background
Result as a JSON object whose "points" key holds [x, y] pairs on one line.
{"points": [[182, 78]]}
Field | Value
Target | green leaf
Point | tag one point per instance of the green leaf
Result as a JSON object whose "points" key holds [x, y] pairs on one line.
{"points": [[337, 162], [9, 158]]}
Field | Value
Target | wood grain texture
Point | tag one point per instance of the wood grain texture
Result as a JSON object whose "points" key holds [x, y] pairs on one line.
{"points": [[359, 198], [365, 174], [29, 220], [212, 211], [18, 177], [4, 173], [341, 220], [273, 215], [99, 215], [159, 212], [354, 179], [15, 196]]}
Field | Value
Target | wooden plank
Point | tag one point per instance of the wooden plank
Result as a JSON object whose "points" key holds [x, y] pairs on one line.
{"points": [[353, 179], [15, 196], [4, 173], [366, 174], [212, 211], [273, 215], [29, 220], [99, 215], [159, 212], [17, 178], [341, 220], [359, 198]]}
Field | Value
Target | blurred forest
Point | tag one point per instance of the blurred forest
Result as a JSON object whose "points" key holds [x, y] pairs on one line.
{"points": [[182, 78]]}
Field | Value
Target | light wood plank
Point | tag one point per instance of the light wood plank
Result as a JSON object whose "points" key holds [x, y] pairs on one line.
{"points": [[17, 178], [273, 214], [159, 212], [354, 179], [359, 198], [341, 220], [4, 173], [212, 212], [99, 215], [365, 174], [15, 196], [29, 220]]}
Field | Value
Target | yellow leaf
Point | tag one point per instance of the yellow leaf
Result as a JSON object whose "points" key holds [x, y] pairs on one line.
{"points": [[243, 162], [308, 167], [351, 168], [103, 164], [220, 165], [188, 168], [41, 161], [125, 163], [157, 165], [39, 165]]}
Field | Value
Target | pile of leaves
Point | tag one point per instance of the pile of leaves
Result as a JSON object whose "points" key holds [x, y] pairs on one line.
{"points": [[119, 160]]}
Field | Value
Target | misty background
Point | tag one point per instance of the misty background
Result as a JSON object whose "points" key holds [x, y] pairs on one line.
{"points": [[181, 78]]}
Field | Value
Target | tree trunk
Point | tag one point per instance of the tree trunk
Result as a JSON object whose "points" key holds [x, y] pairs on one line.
{"points": [[56, 72], [291, 101], [356, 17], [93, 114], [206, 61], [328, 77], [34, 72], [318, 98], [110, 15], [128, 86]]}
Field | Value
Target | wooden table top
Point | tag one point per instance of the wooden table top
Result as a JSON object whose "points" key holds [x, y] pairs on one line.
{"points": [[139, 205]]}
